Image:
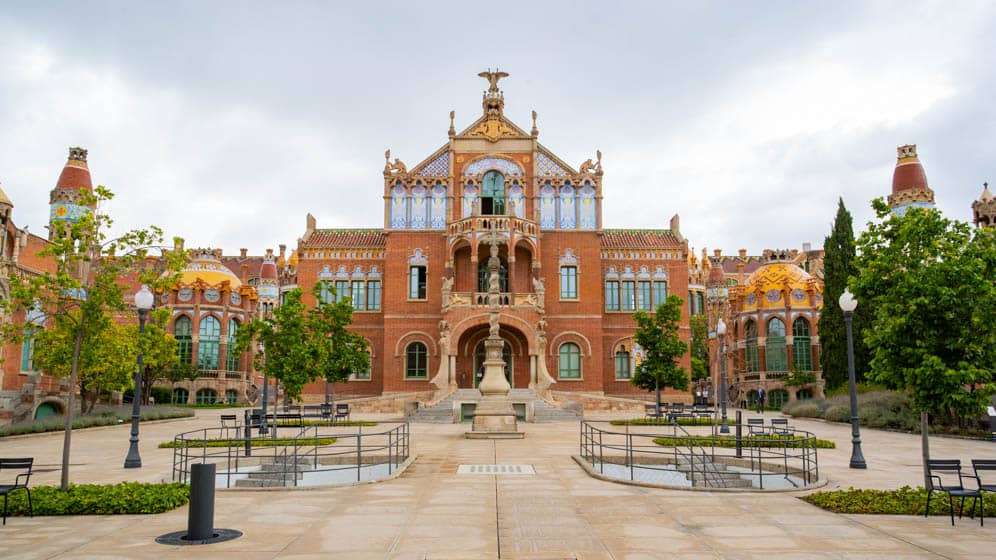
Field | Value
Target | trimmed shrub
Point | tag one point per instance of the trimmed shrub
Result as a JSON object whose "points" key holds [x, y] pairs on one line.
{"points": [[99, 499], [904, 501], [259, 442], [109, 416], [339, 424], [803, 409], [665, 422], [838, 413], [747, 441]]}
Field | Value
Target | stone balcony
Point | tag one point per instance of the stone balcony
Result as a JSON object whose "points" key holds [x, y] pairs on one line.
{"points": [[480, 299], [520, 226]]}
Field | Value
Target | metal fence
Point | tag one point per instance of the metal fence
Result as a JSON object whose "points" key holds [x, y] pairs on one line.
{"points": [[297, 456], [701, 458]]}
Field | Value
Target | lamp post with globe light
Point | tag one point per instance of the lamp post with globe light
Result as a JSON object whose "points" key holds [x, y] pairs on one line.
{"points": [[721, 332], [266, 389], [143, 301], [848, 304]]}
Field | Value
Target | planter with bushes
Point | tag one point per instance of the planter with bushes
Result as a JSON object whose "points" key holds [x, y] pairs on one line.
{"points": [[110, 416], [904, 501], [100, 499]]}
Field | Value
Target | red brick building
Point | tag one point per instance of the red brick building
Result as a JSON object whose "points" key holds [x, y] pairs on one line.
{"points": [[569, 284]]}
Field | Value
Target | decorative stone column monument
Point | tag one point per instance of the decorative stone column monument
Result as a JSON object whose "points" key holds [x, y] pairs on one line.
{"points": [[494, 417]]}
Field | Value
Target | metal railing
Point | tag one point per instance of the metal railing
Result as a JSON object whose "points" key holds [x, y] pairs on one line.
{"points": [[303, 456], [700, 459]]}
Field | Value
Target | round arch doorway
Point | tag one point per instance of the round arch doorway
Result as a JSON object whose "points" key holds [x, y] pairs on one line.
{"points": [[480, 355]]}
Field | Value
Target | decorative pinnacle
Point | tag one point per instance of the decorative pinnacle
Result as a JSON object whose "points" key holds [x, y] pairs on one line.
{"points": [[77, 153], [907, 151]]}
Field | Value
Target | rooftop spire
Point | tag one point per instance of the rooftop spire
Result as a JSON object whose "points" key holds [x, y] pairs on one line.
{"points": [[909, 182]]}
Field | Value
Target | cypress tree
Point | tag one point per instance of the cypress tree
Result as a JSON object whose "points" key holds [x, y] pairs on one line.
{"points": [[838, 266]]}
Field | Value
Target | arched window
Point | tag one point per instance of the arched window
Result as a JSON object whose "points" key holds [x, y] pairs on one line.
{"points": [[777, 398], [750, 337], [231, 396], [28, 347], [209, 337], [622, 363], [207, 396], [804, 394], [802, 350], [182, 331], [570, 361], [484, 275], [232, 356], [416, 361], [493, 194], [180, 396], [776, 357]]}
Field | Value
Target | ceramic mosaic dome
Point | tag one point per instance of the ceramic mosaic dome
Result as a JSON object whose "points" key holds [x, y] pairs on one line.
{"points": [[206, 265], [771, 284]]}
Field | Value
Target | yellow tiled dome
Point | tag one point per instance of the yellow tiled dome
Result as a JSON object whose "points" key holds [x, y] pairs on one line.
{"points": [[766, 287], [206, 266]]}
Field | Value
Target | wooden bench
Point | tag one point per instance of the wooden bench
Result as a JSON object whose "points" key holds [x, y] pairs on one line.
{"points": [[24, 466]]}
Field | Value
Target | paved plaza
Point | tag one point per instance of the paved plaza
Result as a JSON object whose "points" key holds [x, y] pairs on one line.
{"points": [[431, 512]]}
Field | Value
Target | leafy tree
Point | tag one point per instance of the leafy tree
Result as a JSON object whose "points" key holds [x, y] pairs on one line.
{"points": [[658, 335], [336, 351], [839, 265], [930, 281], [699, 347], [287, 356], [159, 352], [83, 292]]}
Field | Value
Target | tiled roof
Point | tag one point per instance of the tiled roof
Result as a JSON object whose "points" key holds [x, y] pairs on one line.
{"points": [[639, 239], [729, 263], [347, 239], [234, 263]]}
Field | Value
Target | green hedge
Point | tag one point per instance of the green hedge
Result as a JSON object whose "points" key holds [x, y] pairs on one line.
{"points": [[748, 441], [904, 501], [665, 422], [213, 405], [97, 499], [348, 423], [258, 442], [101, 417]]}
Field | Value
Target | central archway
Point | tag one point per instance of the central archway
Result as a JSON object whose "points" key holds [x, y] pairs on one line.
{"points": [[470, 356]]}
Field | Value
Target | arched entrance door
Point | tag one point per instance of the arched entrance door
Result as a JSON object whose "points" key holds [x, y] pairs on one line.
{"points": [[479, 357]]}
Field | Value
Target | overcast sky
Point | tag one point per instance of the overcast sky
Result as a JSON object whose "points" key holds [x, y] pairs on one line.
{"points": [[226, 122]]}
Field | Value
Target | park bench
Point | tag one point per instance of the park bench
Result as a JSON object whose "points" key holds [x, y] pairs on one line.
{"points": [[651, 411], [940, 475], [24, 466], [780, 427], [229, 421], [756, 427], [341, 411], [290, 420]]}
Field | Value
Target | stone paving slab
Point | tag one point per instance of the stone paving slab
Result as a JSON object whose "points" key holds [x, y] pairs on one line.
{"points": [[432, 513]]}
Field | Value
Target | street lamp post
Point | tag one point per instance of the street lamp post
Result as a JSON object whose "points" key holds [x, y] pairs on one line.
{"points": [[143, 301], [266, 390], [848, 304], [721, 332]]}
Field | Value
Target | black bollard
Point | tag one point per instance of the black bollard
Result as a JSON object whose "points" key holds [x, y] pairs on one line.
{"points": [[740, 421], [200, 519]]}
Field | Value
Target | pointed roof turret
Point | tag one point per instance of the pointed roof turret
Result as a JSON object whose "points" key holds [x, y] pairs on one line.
{"points": [[76, 174], [909, 182], [984, 209]]}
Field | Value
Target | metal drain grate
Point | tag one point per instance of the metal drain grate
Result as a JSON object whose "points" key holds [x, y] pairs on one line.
{"points": [[496, 469]]}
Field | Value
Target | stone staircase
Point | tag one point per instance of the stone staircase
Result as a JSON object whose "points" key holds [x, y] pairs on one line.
{"points": [[277, 471], [447, 410], [710, 474]]}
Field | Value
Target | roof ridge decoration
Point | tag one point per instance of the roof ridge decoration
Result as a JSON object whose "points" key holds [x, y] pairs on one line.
{"points": [[493, 125]]}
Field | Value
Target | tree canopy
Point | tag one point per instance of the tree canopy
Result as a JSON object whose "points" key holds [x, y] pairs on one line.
{"points": [[699, 347], [932, 284], [81, 295], [657, 334], [303, 345], [838, 265]]}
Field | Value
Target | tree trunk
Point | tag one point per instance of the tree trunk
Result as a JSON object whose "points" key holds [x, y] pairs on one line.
{"points": [[925, 447], [68, 435]]}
